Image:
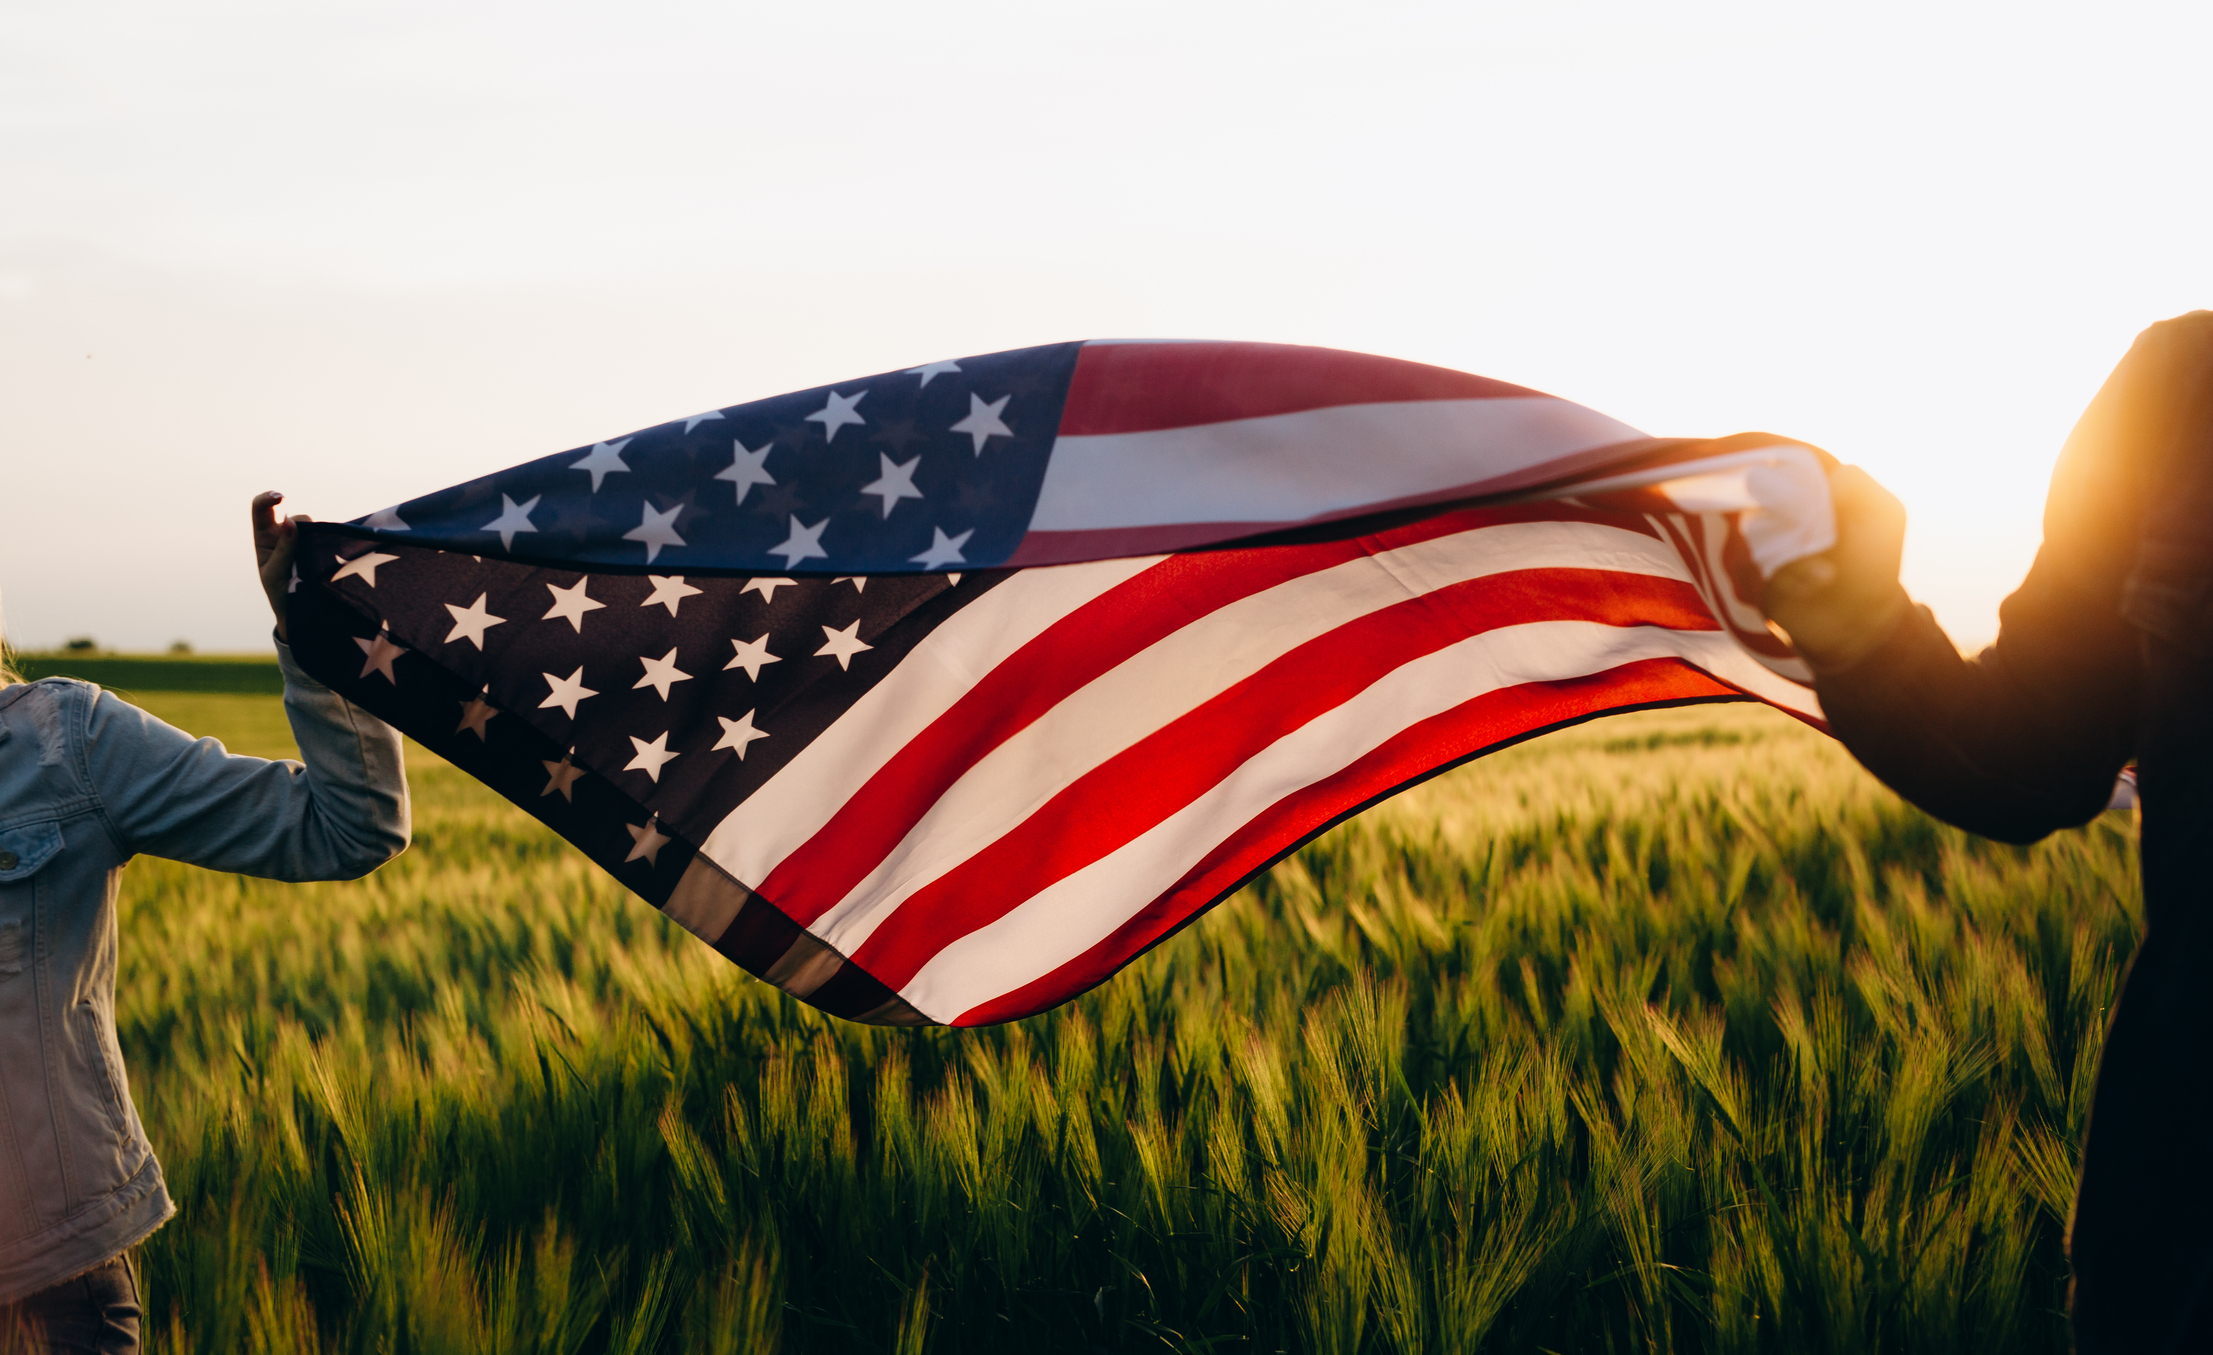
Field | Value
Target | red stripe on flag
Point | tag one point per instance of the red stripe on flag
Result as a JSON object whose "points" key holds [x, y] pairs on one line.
{"points": [[1421, 748], [1141, 387], [1088, 642], [1156, 776]]}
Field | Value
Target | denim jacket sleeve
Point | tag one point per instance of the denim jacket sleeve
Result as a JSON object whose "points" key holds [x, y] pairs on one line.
{"points": [[340, 816]]}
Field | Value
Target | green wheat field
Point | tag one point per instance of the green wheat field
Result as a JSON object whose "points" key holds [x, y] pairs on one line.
{"points": [[1670, 1032]]}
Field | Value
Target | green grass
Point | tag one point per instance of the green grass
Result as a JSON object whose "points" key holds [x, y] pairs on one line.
{"points": [[1668, 1033], [160, 673]]}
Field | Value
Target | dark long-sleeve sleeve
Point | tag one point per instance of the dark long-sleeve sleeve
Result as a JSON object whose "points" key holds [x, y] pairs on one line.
{"points": [[2022, 740], [2028, 737]]}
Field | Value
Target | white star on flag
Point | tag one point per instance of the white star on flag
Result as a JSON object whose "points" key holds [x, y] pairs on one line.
{"points": [[476, 712], [896, 482], [694, 420], [567, 692], [656, 530], [804, 543], [859, 581], [513, 518], [652, 757], [363, 567], [747, 469], [767, 587], [842, 645], [386, 520], [669, 590], [838, 413], [571, 603], [933, 369], [561, 776], [603, 460], [736, 734], [660, 674], [470, 622], [752, 656], [380, 652], [646, 839], [944, 550], [983, 422]]}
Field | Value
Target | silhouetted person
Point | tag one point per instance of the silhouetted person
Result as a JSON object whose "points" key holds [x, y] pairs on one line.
{"points": [[2104, 655]]}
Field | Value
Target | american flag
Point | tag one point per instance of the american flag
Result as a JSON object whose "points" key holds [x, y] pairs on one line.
{"points": [[940, 695]]}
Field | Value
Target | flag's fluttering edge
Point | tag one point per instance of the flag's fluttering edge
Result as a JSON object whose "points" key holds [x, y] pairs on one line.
{"points": [[940, 695]]}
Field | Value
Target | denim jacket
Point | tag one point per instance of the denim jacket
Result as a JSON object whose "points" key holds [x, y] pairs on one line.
{"points": [[87, 781]]}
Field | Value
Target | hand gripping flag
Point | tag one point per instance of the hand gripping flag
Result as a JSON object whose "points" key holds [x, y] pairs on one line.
{"points": [[940, 695]]}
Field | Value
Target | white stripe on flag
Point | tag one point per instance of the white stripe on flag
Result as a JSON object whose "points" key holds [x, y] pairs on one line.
{"points": [[1068, 917], [1192, 666], [1293, 467], [1739, 667], [787, 809]]}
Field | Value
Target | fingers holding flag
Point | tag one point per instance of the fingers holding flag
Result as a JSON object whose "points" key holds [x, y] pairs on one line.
{"points": [[275, 541], [1838, 605]]}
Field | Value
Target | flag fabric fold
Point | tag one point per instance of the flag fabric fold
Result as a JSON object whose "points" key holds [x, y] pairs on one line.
{"points": [[940, 695]]}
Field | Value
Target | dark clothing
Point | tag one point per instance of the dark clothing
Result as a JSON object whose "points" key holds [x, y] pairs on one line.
{"points": [[94, 1314], [2105, 654]]}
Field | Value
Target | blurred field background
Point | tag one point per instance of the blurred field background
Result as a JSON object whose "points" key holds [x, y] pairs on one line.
{"points": [[177, 672], [1670, 1032]]}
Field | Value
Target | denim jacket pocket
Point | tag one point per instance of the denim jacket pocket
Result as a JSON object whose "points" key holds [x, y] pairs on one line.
{"points": [[23, 850]]}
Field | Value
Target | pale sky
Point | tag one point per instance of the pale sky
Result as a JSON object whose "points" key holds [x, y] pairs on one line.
{"points": [[361, 251]]}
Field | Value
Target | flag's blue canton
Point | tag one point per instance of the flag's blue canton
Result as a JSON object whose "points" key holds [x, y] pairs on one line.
{"points": [[932, 468]]}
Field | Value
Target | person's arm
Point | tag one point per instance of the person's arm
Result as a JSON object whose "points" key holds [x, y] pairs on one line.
{"points": [[341, 815], [2024, 739], [2028, 737]]}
